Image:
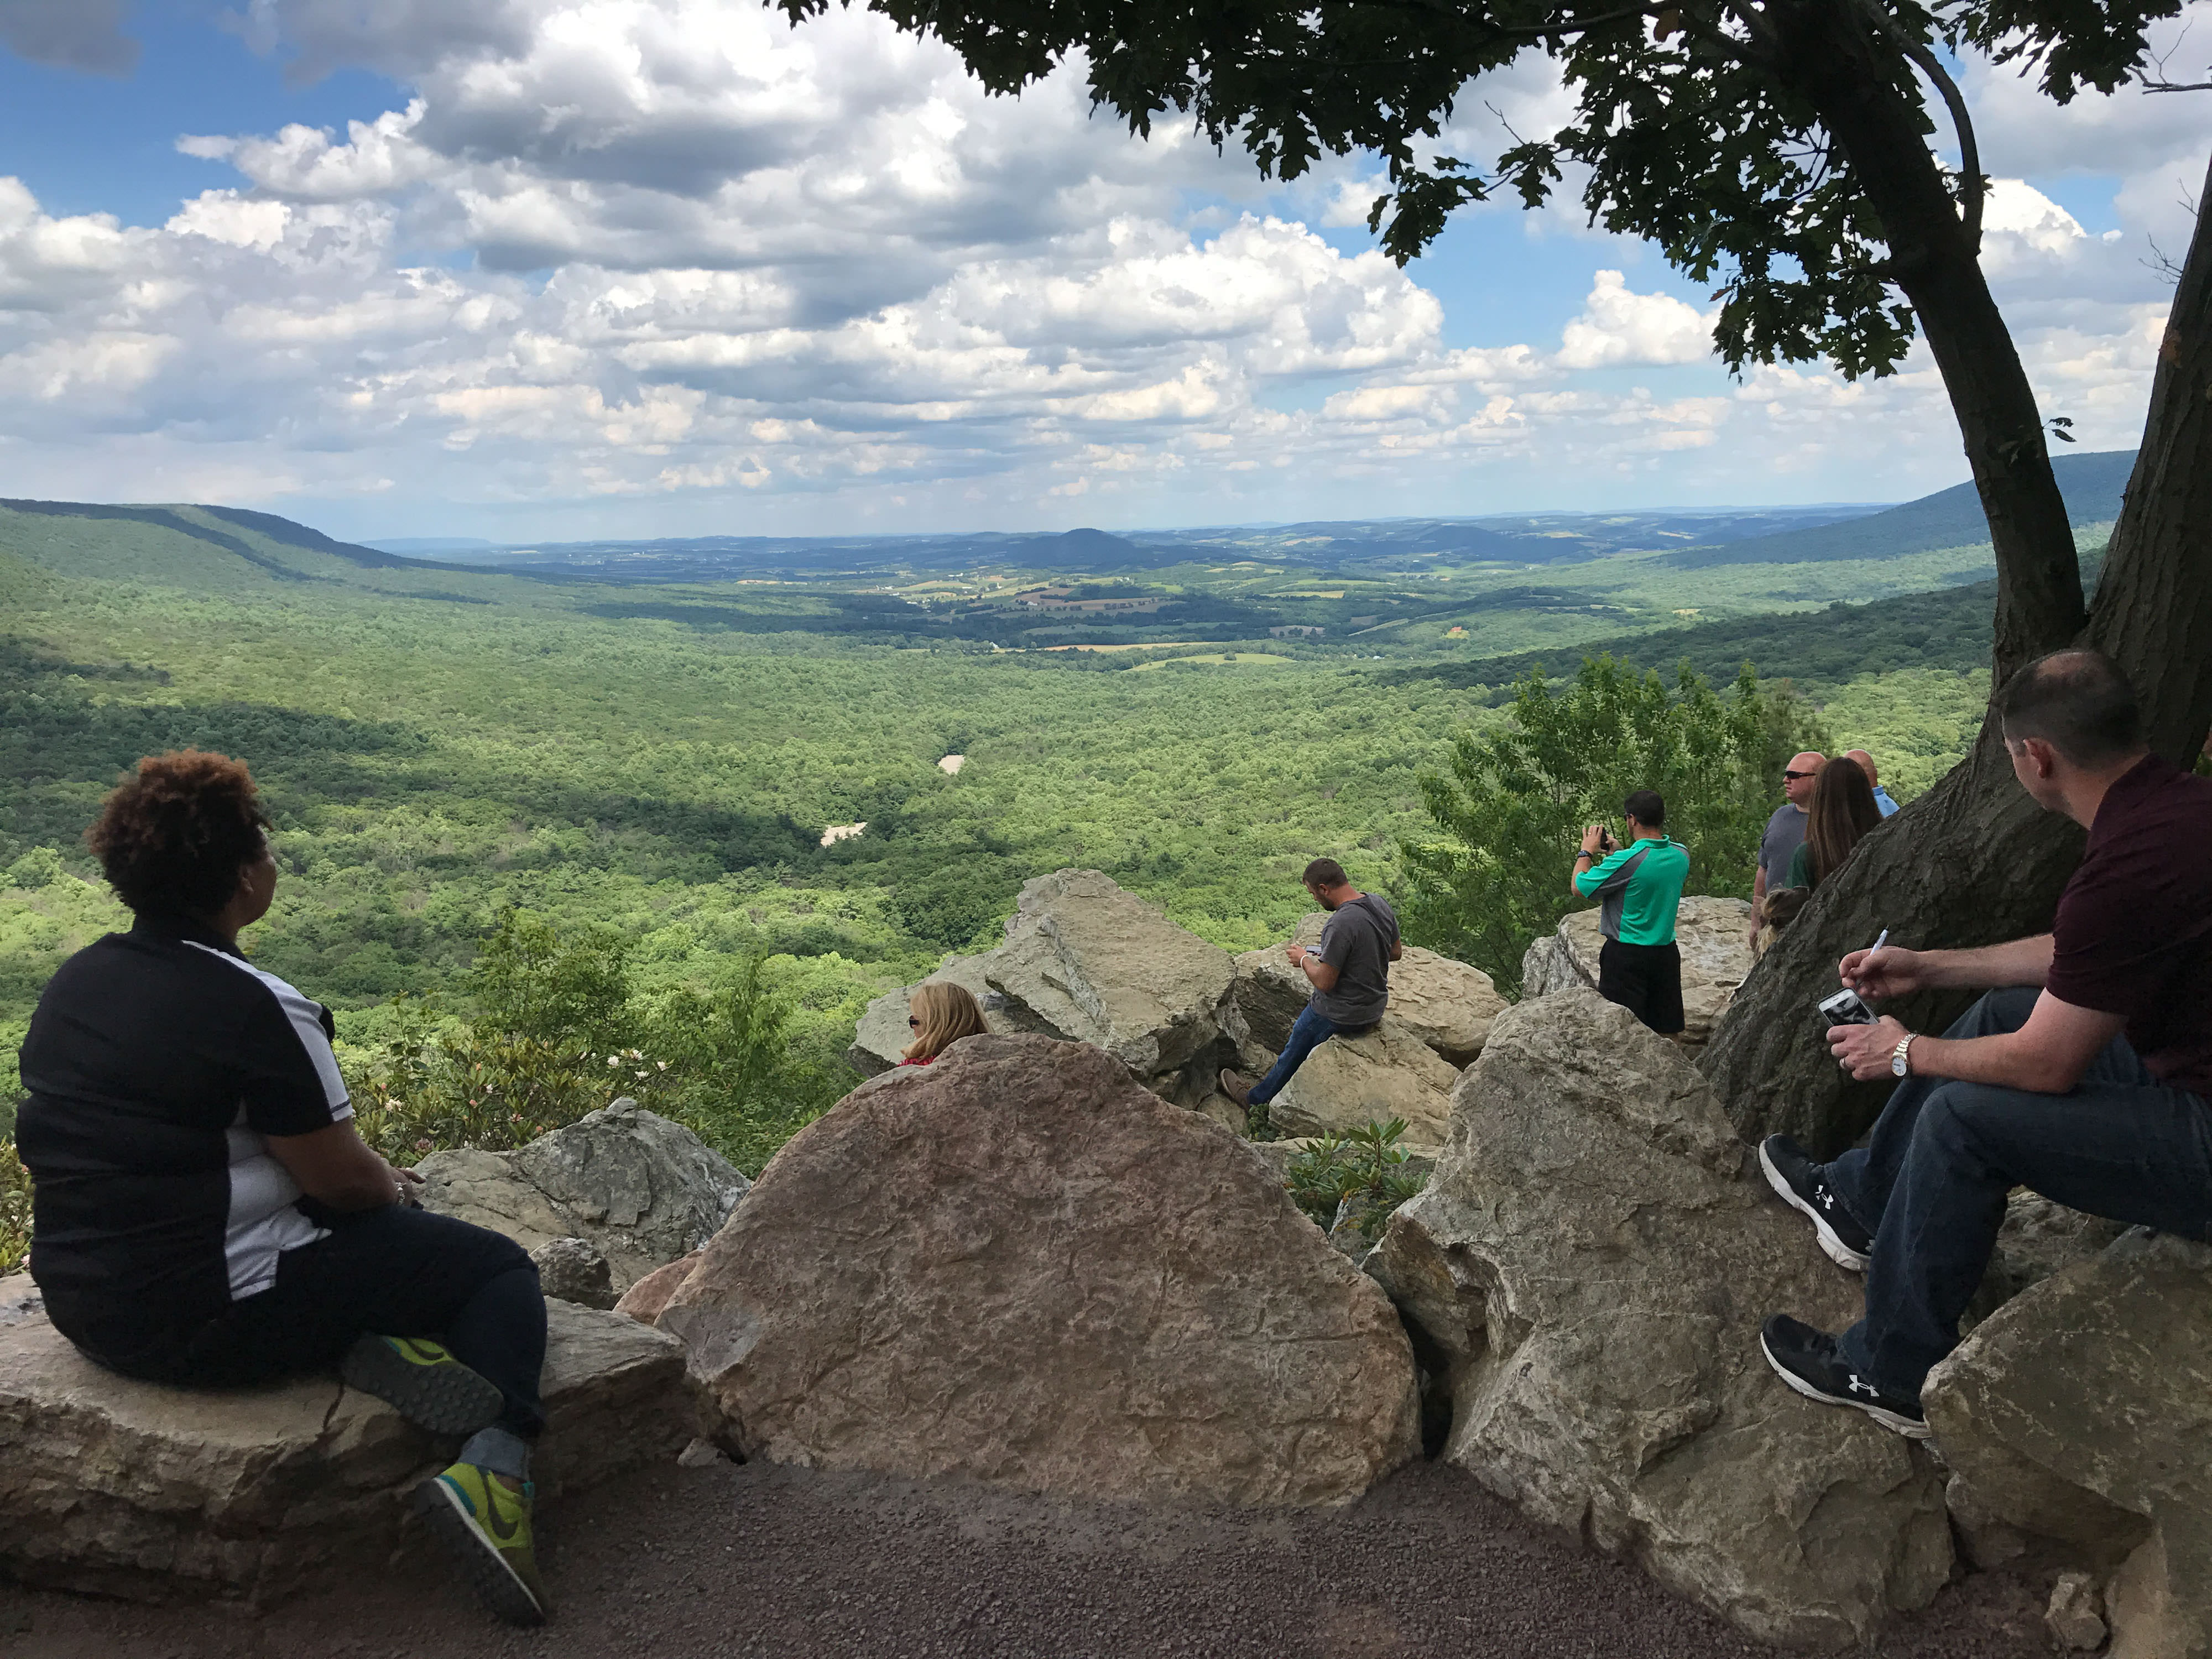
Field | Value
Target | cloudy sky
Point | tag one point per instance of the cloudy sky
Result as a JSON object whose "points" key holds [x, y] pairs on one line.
{"points": [[529, 269]]}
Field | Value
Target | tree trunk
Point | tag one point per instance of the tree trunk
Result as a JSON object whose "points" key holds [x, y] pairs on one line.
{"points": [[1829, 57], [1974, 861]]}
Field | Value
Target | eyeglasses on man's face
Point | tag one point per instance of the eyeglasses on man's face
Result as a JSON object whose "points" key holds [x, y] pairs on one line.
{"points": [[1792, 777]]}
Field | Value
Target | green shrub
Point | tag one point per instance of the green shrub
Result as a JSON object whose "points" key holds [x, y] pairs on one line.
{"points": [[557, 1032], [1360, 1178], [15, 1208]]}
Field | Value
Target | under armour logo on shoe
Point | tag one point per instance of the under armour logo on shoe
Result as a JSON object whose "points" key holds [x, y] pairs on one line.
{"points": [[1860, 1385]]}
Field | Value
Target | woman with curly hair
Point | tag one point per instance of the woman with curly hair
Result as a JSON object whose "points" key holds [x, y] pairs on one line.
{"points": [[940, 1014], [204, 1214]]}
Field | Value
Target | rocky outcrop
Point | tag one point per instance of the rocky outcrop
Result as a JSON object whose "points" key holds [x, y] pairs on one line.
{"points": [[129, 1489], [2038, 1238], [1709, 932], [1016, 1266], [640, 1189], [1445, 1004], [644, 1300], [575, 1270], [1587, 1269], [2080, 1412], [1350, 1082], [1086, 961]]}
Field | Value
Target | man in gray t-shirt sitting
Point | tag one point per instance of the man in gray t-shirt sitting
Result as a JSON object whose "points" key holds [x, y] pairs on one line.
{"points": [[1350, 974]]}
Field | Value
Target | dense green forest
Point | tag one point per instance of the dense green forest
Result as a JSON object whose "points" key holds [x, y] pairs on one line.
{"points": [[649, 771]]}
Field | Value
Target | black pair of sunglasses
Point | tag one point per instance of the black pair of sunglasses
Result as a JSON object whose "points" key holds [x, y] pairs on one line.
{"points": [[1793, 776], [913, 1023]]}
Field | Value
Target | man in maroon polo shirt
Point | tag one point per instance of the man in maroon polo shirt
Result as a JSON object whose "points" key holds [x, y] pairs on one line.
{"points": [[2084, 1078]]}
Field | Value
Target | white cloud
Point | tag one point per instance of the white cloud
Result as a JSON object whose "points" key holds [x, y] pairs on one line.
{"points": [[1618, 325], [674, 255]]}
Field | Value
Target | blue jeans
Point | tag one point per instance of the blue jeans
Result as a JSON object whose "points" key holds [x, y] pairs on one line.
{"points": [[1312, 1029], [1931, 1182]]}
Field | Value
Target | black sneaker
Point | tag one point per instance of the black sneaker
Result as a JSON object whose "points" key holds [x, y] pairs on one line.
{"points": [[1797, 1179], [1810, 1362]]}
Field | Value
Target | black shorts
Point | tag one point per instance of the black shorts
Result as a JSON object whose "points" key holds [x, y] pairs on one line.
{"points": [[1644, 979]]}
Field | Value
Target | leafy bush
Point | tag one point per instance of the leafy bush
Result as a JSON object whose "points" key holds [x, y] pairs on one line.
{"points": [[1360, 1178], [743, 1076], [1517, 795], [557, 1033], [15, 1208]]}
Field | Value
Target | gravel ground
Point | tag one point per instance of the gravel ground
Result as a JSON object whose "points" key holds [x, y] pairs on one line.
{"points": [[762, 1560]]}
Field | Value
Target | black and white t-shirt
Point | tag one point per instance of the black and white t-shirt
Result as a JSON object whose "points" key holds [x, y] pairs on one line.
{"points": [[155, 1064]]}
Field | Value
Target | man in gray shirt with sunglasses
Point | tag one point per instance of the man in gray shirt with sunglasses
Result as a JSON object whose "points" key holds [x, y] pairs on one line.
{"points": [[1785, 831]]}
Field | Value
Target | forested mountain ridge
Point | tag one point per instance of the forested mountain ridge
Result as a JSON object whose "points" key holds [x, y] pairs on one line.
{"points": [[2091, 485], [217, 527]]}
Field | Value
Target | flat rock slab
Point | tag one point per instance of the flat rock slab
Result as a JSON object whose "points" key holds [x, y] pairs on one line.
{"points": [[639, 1189], [1348, 1082], [1590, 1264], [132, 1489], [2082, 1412], [1019, 1266], [1710, 932]]}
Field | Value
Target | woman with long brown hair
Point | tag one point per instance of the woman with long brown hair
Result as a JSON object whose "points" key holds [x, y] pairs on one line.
{"points": [[940, 1014], [1842, 810]]}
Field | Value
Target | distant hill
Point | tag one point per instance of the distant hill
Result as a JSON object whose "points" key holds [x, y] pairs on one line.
{"points": [[1818, 650], [1081, 549], [183, 545], [2091, 485]]}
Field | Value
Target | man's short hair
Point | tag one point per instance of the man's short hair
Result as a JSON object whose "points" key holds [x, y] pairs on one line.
{"points": [[2077, 701], [1645, 806], [1325, 873]]}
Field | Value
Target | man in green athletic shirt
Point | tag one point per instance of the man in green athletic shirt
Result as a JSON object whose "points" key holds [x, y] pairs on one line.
{"points": [[1639, 887]]}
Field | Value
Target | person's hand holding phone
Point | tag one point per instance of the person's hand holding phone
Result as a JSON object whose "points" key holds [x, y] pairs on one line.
{"points": [[1597, 841]]}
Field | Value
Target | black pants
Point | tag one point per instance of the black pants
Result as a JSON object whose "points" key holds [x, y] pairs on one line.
{"points": [[1644, 979], [394, 1271]]}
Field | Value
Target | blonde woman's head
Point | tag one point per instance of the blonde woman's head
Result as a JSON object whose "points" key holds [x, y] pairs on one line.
{"points": [[939, 1015]]}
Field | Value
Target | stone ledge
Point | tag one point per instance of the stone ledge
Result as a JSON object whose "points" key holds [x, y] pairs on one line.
{"points": [[131, 1489]]}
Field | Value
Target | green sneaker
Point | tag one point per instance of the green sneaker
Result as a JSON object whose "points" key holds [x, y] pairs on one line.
{"points": [[422, 1381], [486, 1523]]}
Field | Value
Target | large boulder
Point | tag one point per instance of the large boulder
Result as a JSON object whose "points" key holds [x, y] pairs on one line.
{"points": [[1710, 933], [1445, 1003], [1094, 964], [1017, 1266], [1086, 961], [640, 1189], [130, 1489], [1350, 1082], [1588, 1269], [2081, 1412]]}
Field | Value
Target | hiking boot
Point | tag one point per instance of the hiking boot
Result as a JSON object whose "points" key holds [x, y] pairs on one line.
{"points": [[1797, 1179], [1811, 1362], [418, 1379], [485, 1524], [1238, 1087]]}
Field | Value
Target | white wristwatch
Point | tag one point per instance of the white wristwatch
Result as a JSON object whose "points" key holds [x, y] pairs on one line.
{"points": [[1900, 1058]]}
